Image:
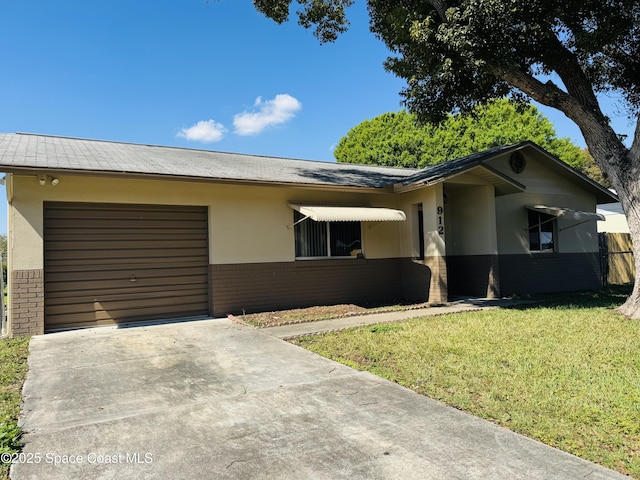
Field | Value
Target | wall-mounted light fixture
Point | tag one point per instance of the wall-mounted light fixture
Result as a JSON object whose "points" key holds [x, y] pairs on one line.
{"points": [[42, 180]]}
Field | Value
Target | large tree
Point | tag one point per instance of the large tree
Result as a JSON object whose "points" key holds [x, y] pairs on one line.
{"points": [[398, 139], [455, 54]]}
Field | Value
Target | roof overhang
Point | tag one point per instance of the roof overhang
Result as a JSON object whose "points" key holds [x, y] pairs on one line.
{"points": [[485, 174], [576, 215], [503, 184], [58, 172], [321, 213]]}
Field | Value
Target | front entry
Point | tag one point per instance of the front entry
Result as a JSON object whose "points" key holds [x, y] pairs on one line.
{"points": [[471, 240]]}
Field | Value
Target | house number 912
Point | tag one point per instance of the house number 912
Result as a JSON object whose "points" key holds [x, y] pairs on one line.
{"points": [[440, 211]]}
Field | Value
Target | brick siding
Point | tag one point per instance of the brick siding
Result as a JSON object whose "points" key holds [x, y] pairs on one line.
{"points": [[27, 302], [474, 275], [544, 273], [253, 287]]}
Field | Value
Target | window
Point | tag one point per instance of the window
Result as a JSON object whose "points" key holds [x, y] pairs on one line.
{"points": [[326, 239], [542, 232]]}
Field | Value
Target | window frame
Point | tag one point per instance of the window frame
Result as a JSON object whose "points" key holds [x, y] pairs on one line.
{"points": [[542, 219], [329, 256]]}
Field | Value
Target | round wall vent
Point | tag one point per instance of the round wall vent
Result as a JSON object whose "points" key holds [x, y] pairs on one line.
{"points": [[517, 162]]}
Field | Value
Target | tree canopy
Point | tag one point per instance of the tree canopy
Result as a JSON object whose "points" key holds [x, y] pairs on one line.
{"points": [[456, 54], [398, 139]]}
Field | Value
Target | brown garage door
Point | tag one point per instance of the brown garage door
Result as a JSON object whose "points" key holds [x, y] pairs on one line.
{"points": [[111, 263]]}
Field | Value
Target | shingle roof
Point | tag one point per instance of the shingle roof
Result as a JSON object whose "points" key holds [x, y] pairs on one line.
{"points": [[446, 169], [20, 152], [33, 152]]}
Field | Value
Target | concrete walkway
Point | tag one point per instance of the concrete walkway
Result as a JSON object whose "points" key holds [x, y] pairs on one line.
{"points": [[463, 305], [215, 400]]}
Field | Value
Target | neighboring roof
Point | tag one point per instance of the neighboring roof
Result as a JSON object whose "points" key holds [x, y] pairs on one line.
{"points": [[610, 209], [39, 152]]}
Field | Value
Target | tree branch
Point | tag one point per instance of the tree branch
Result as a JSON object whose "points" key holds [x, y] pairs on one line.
{"points": [[546, 93], [573, 77], [635, 146], [602, 141], [440, 7]]}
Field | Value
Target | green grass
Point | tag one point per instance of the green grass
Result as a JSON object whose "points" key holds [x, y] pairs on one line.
{"points": [[565, 372], [13, 370]]}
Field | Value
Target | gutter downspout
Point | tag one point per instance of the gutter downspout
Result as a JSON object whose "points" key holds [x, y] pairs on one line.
{"points": [[4, 328]]}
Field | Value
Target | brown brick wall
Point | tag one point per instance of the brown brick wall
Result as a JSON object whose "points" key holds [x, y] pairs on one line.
{"points": [[439, 289], [425, 280], [254, 287], [27, 302], [545, 273], [474, 275]]}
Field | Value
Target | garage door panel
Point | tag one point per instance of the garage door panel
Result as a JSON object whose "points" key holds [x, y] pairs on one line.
{"points": [[123, 211], [110, 244], [112, 303], [125, 273], [106, 225], [100, 317], [180, 214], [109, 263], [127, 255], [90, 297], [60, 235], [128, 314], [105, 284]]}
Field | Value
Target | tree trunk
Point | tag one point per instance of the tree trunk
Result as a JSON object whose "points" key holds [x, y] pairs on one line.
{"points": [[629, 195], [624, 173]]}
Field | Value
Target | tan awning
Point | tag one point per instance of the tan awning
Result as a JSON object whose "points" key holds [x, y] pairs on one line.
{"points": [[567, 213], [350, 214]]}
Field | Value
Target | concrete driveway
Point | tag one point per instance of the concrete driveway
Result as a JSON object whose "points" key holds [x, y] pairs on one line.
{"points": [[212, 399]]}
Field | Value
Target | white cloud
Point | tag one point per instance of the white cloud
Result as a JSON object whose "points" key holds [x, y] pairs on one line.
{"points": [[271, 112], [205, 131]]}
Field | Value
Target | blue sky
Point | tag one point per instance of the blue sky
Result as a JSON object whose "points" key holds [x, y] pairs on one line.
{"points": [[193, 73]]}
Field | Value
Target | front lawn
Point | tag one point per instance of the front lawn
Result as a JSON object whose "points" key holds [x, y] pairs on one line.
{"points": [[566, 372], [13, 370]]}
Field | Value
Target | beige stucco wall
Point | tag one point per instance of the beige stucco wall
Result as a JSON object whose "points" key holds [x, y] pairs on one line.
{"points": [[431, 198], [471, 221], [543, 186], [247, 224]]}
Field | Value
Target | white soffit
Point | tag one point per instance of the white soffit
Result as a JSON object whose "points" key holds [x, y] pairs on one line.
{"points": [[350, 214], [566, 213]]}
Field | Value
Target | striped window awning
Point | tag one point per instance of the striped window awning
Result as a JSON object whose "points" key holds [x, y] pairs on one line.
{"points": [[349, 214]]}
